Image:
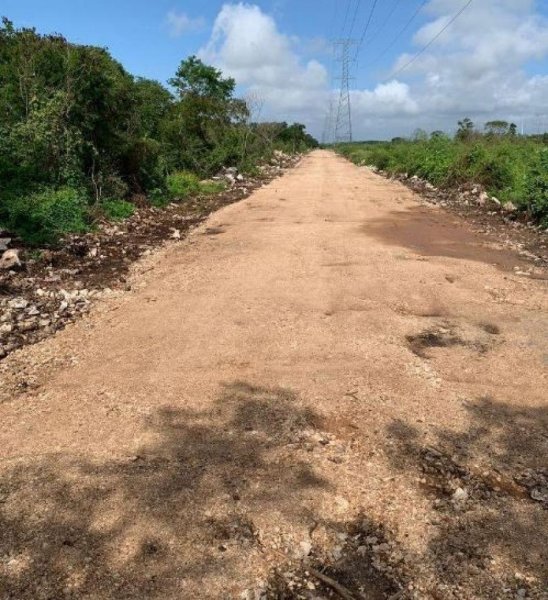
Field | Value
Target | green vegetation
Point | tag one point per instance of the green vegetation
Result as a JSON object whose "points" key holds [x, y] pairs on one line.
{"points": [[212, 187], [41, 217], [79, 135], [117, 209], [181, 185], [510, 167]]}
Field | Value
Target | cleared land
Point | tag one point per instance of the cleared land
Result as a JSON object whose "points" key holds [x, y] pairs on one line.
{"points": [[329, 372]]}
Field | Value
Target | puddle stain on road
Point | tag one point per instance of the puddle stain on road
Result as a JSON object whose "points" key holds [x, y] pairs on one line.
{"points": [[428, 234]]}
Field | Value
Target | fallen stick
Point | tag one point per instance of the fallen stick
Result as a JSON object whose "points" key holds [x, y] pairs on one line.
{"points": [[337, 587]]}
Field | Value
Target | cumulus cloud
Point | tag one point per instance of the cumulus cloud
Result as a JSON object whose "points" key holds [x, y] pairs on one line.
{"points": [[247, 45], [180, 23], [480, 67], [387, 99]]}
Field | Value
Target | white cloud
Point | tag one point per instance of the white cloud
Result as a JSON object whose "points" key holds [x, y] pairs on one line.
{"points": [[477, 68], [387, 99], [247, 45], [180, 23]]}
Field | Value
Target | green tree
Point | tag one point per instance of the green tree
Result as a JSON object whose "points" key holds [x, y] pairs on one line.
{"points": [[466, 129], [497, 127], [295, 138], [200, 124], [76, 128], [195, 78]]}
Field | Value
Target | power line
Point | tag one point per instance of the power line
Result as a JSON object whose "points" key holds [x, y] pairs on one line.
{"points": [[424, 48], [384, 23], [366, 28], [349, 3], [354, 17], [400, 33], [338, 125], [329, 124]]}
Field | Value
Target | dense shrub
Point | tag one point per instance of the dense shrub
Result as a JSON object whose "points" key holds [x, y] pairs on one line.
{"points": [[535, 197], [182, 184], [42, 217], [117, 209], [510, 167], [72, 117]]}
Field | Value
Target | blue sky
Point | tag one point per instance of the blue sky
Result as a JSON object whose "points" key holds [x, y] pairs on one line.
{"points": [[491, 63], [137, 31]]}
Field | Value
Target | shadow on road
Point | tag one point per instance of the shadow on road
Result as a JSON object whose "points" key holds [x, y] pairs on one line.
{"points": [[179, 519], [147, 525], [483, 483]]}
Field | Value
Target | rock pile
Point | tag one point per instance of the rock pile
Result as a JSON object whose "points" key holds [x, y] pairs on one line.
{"points": [[466, 195], [28, 319], [277, 164]]}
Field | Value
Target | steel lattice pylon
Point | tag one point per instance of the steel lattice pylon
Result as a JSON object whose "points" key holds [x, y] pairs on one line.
{"points": [[343, 123]]}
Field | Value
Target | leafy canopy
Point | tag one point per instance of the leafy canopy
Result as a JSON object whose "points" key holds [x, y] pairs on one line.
{"points": [[195, 78]]}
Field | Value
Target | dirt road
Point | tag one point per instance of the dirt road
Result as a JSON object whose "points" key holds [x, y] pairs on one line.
{"points": [[328, 373]]}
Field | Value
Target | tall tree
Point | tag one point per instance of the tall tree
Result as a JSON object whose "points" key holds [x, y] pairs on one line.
{"points": [[195, 78], [466, 129], [497, 127]]}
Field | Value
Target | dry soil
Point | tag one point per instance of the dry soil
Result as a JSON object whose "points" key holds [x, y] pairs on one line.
{"points": [[329, 388]]}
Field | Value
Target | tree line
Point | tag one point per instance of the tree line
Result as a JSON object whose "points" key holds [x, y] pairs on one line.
{"points": [[78, 132], [467, 131]]}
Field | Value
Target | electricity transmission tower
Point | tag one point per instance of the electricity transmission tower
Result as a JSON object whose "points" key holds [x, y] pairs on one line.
{"points": [[343, 123], [328, 132]]}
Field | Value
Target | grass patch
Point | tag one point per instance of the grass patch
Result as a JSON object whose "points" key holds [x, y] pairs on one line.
{"points": [[116, 210], [182, 184], [209, 187]]}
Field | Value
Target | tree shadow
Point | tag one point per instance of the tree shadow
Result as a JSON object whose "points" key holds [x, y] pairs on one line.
{"points": [[363, 560], [488, 486], [152, 525]]}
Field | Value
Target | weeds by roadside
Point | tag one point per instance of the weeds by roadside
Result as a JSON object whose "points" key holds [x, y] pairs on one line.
{"points": [[511, 168]]}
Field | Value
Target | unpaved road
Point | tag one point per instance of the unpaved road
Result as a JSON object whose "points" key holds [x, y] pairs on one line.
{"points": [[313, 373]]}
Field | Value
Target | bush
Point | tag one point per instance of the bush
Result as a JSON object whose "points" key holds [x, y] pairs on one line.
{"points": [[145, 165], [212, 187], [72, 117], [379, 157], [434, 160], [44, 216], [536, 188], [182, 184], [158, 197], [116, 210], [113, 186], [513, 169]]}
